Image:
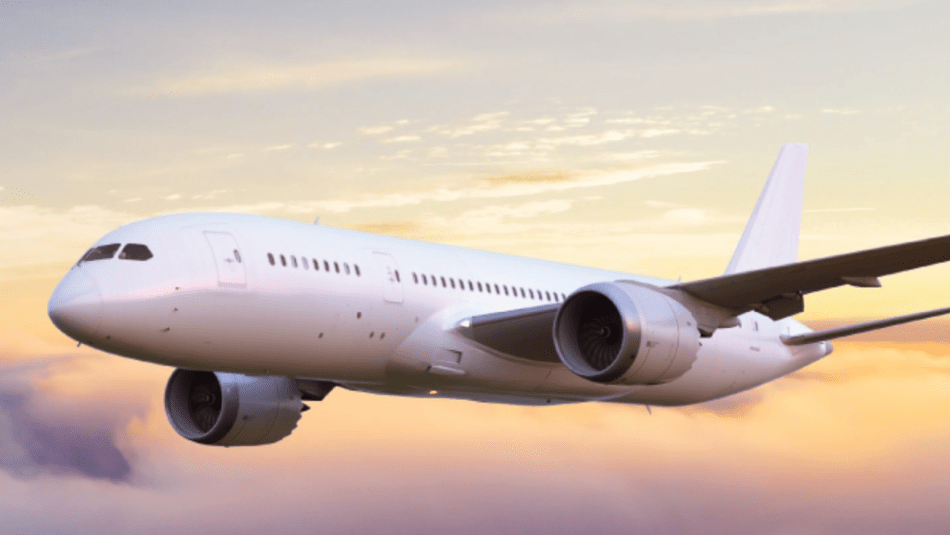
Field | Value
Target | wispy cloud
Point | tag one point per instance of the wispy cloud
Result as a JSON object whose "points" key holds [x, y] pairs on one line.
{"points": [[403, 139], [278, 148], [325, 146], [481, 123], [841, 111], [269, 77], [375, 130], [488, 188]]}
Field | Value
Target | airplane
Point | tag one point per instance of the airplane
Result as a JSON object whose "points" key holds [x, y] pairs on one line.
{"points": [[259, 315]]}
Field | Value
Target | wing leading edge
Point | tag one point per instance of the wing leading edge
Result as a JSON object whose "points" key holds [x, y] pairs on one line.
{"points": [[777, 291]]}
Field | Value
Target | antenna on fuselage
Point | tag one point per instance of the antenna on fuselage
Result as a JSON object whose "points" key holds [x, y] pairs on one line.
{"points": [[316, 221]]}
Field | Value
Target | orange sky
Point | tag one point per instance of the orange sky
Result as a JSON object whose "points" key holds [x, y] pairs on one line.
{"points": [[623, 135]]}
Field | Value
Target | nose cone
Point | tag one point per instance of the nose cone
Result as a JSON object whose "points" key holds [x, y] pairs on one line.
{"points": [[76, 305]]}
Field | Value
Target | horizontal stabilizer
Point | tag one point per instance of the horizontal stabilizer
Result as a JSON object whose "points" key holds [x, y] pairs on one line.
{"points": [[525, 332], [776, 291], [838, 332]]}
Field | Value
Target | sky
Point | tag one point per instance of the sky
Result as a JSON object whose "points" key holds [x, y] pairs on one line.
{"points": [[625, 135]]}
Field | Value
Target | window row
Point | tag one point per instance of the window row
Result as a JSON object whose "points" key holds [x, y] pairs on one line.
{"points": [[131, 251], [497, 289], [329, 267]]}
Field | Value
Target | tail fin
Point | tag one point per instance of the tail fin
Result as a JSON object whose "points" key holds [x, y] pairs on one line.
{"points": [[771, 235]]}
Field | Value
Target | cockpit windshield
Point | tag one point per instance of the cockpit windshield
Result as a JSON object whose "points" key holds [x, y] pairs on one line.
{"points": [[131, 251], [100, 253], [135, 251]]}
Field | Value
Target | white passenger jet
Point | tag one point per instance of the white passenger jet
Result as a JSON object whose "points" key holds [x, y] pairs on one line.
{"points": [[260, 315]]}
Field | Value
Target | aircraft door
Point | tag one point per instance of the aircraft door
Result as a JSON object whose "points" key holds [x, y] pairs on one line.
{"points": [[392, 279], [227, 258]]}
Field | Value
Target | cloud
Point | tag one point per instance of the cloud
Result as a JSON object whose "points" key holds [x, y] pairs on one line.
{"points": [[64, 437], [479, 124], [402, 139], [278, 148], [263, 78], [325, 146], [688, 216], [841, 111], [483, 189], [375, 130]]}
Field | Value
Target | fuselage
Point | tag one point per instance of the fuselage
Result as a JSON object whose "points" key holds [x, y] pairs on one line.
{"points": [[261, 296]]}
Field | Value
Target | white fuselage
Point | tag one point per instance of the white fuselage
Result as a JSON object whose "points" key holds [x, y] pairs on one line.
{"points": [[363, 316]]}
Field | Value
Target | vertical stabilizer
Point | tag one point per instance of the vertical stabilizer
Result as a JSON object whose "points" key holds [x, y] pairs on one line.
{"points": [[771, 235]]}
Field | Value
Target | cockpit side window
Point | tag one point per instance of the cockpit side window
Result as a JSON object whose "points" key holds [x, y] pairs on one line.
{"points": [[135, 251], [102, 252]]}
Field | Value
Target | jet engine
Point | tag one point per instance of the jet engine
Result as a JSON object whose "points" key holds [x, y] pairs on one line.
{"points": [[229, 409], [625, 333]]}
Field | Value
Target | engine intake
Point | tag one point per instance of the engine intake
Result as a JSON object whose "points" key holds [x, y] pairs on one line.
{"points": [[229, 409], [625, 333]]}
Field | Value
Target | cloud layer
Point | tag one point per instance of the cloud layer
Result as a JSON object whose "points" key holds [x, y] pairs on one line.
{"points": [[53, 435]]}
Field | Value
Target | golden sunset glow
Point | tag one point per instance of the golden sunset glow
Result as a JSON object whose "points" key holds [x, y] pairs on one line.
{"points": [[625, 135]]}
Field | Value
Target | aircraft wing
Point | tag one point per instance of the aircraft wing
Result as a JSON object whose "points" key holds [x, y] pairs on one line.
{"points": [[838, 332], [777, 291]]}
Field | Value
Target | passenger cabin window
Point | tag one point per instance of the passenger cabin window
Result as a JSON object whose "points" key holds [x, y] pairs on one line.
{"points": [[137, 251], [283, 261], [102, 252], [270, 258], [293, 260], [346, 268], [316, 265], [303, 260], [356, 267], [337, 266], [237, 254]]}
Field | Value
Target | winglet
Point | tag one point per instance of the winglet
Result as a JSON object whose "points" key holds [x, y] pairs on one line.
{"points": [[771, 235]]}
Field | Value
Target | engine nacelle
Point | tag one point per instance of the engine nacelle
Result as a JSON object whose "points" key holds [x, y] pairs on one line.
{"points": [[624, 333], [229, 409]]}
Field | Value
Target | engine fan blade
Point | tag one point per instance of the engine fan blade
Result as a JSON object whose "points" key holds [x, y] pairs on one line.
{"points": [[204, 406], [600, 338]]}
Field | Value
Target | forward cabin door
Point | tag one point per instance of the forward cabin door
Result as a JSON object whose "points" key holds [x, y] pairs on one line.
{"points": [[392, 279], [228, 259]]}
